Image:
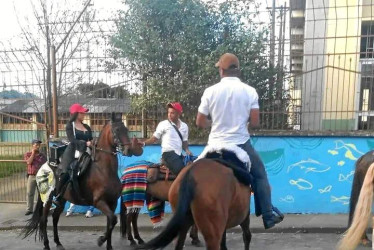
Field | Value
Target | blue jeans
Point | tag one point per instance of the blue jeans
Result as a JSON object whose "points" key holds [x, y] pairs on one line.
{"points": [[260, 183]]}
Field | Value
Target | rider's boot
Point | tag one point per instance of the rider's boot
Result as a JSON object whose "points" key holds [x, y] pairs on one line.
{"points": [[270, 219], [60, 188]]}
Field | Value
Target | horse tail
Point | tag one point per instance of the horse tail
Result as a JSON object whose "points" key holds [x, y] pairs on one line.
{"points": [[186, 195], [361, 215], [362, 165], [122, 218], [355, 192], [33, 224]]}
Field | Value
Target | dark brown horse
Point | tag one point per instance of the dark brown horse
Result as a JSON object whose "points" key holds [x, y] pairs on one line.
{"points": [[160, 190], [99, 186], [209, 194], [362, 166]]}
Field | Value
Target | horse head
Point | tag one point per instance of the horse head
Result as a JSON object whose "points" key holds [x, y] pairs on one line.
{"points": [[121, 140]]}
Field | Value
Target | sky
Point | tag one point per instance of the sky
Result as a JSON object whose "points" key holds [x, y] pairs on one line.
{"points": [[13, 11], [9, 10]]}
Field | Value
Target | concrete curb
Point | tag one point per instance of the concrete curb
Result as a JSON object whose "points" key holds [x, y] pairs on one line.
{"points": [[326, 230]]}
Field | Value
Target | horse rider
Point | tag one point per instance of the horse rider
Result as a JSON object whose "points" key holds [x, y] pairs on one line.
{"points": [[231, 104], [80, 137], [173, 134]]}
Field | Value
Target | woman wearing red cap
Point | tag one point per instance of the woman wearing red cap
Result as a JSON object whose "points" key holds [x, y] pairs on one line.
{"points": [[173, 134], [80, 137]]}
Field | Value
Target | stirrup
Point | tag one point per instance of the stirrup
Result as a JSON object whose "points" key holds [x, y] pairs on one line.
{"points": [[276, 210]]}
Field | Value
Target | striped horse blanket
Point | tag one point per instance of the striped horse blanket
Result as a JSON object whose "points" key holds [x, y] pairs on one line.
{"points": [[134, 186]]}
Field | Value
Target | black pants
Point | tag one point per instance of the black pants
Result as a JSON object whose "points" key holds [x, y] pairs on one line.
{"points": [[173, 161]]}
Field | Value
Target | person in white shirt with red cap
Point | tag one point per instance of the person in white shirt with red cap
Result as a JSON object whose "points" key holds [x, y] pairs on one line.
{"points": [[232, 104], [173, 134]]}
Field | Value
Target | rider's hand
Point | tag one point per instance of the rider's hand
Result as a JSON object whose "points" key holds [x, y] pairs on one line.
{"points": [[88, 143], [189, 153]]}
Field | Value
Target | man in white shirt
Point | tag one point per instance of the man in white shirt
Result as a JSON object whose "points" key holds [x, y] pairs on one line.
{"points": [[231, 104], [173, 134]]}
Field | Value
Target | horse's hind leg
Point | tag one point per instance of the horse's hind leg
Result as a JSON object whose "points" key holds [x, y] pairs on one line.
{"points": [[129, 220], [135, 227], [56, 217], [247, 236], [223, 241], [183, 233], [111, 222], [194, 235]]}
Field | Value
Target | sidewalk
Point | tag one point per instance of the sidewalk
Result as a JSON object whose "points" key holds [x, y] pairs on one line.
{"points": [[12, 217]]}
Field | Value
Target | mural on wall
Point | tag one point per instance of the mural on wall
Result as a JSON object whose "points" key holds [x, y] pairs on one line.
{"points": [[306, 174]]}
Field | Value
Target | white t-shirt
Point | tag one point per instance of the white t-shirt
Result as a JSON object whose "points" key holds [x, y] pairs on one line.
{"points": [[229, 104], [170, 140]]}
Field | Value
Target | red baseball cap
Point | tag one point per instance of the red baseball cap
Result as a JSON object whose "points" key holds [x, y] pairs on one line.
{"points": [[77, 108], [177, 106]]}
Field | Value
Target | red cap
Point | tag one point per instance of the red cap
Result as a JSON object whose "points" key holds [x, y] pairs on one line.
{"points": [[177, 106], [77, 108]]}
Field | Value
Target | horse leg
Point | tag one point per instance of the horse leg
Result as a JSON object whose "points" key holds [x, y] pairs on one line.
{"points": [[247, 236], [135, 227], [211, 229], [194, 235], [43, 226], [111, 222], [56, 217], [183, 233], [223, 241], [129, 219]]}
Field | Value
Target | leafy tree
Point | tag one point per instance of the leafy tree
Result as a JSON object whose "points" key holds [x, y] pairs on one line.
{"points": [[14, 94], [173, 46]]}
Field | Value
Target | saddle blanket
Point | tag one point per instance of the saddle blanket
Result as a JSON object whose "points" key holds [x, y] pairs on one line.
{"points": [[45, 180], [239, 152], [134, 186]]}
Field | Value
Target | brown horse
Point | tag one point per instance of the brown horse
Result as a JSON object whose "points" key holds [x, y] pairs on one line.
{"points": [[362, 181], [209, 194], [160, 190], [99, 186]]}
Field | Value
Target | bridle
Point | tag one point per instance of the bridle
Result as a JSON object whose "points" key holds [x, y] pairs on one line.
{"points": [[119, 146]]}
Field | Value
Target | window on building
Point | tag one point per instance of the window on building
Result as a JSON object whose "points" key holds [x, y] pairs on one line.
{"points": [[367, 39]]}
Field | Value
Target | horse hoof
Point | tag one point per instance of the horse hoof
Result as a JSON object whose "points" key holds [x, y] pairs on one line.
{"points": [[196, 243], [140, 242], [101, 241], [133, 243], [109, 248], [60, 247], [46, 248]]}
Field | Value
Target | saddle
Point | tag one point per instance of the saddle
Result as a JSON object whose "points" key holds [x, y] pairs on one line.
{"points": [[230, 160], [159, 172]]}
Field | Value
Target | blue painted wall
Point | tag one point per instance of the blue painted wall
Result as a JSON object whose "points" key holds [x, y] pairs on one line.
{"points": [[307, 174]]}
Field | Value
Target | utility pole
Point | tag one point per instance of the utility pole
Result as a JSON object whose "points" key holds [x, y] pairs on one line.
{"points": [[279, 61], [272, 35], [54, 92], [54, 73]]}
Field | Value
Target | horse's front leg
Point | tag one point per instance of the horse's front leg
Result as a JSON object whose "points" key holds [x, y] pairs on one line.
{"points": [[43, 226], [247, 236], [194, 235], [56, 217], [108, 210]]}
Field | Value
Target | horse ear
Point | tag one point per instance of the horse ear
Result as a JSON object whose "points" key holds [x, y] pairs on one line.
{"points": [[113, 117]]}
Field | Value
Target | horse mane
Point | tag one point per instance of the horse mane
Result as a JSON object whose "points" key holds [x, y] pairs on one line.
{"points": [[106, 124]]}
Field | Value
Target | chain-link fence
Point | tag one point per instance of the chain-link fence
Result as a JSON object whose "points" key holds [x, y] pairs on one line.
{"points": [[316, 72]]}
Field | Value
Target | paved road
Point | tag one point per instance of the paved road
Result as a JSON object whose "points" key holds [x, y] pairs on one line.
{"points": [[271, 241]]}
